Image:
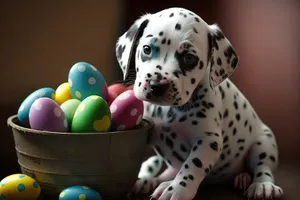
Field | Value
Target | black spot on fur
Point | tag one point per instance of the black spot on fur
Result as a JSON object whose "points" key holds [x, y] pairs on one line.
{"points": [[214, 146], [225, 139], [259, 174], [169, 42], [159, 67], [195, 30], [177, 27], [173, 135], [234, 130], [260, 163], [191, 177], [183, 118], [238, 117], [200, 114], [222, 156], [236, 106], [193, 81], [164, 41], [183, 184], [161, 33], [150, 169], [197, 19], [185, 177], [268, 174], [177, 156], [197, 162], [194, 122], [225, 114], [120, 51], [262, 156], [237, 155], [241, 148], [186, 166], [131, 32], [240, 140], [150, 35], [273, 158], [170, 188], [171, 15], [219, 61], [183, 148], [169, 142], [246, 123], [230, 124]]}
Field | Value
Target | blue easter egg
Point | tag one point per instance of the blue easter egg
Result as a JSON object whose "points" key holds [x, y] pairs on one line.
{"points": [[85, 80], [23, 111], [79, 192]]}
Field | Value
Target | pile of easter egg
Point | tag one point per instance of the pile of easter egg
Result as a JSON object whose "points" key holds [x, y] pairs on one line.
{"points": [[82, 104], [23, 187]]}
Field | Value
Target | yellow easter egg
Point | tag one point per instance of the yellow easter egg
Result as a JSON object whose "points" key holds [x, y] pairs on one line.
{"points": [[19, 186], [62, 93]]}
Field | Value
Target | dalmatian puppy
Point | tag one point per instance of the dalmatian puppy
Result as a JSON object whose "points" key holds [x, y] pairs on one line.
{"points": [[204, 127]]}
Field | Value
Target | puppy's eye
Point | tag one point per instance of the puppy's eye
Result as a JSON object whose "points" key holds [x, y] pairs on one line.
{"points": [[190, 59], [147, 49]]}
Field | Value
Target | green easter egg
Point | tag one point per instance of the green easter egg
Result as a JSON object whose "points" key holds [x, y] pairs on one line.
{"points": [[92, 115], [69, 108]]}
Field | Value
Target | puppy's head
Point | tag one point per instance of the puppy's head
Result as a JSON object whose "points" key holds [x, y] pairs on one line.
{"points": [[169, 53]]}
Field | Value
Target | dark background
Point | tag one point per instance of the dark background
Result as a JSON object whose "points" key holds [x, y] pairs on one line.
{"points": [[41, 40]]}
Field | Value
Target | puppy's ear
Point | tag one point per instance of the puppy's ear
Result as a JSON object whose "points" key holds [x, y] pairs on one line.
{"points": [[222, 56], [127, 43]]}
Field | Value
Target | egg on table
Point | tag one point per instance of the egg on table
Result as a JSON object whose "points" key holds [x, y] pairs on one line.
{"points": [[62, 93], [19, 187], [23, 112], [46, 115], [126, 111], [85, 80], [114, 91], [69, 107], [79, 192], [92, 115]]}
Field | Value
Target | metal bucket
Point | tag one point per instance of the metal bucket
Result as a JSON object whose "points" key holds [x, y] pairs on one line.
{"points": [[107, 162]]}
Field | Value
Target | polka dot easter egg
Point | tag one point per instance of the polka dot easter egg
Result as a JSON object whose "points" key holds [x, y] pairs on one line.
{"points": [[46, 115], [69, 107], [92, 115], [62, 93], [114, 91], [23, 112], [80, 193], [127, 111], [85, 80], [19, 186]]}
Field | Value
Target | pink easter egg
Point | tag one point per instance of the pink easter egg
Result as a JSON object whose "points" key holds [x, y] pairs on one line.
{"points": [[126, 111]]}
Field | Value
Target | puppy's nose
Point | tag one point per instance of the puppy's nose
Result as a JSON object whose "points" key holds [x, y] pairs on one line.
{"points": [[158, 89]]}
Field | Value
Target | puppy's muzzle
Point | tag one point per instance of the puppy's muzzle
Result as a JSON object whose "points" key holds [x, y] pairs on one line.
{"points": [[158, 89]]}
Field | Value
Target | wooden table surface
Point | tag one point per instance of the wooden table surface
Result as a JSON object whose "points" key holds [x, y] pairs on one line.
{"points": [[287, 177]]}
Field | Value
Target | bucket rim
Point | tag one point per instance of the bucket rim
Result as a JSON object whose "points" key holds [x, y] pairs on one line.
{"points": [[147, 125]]}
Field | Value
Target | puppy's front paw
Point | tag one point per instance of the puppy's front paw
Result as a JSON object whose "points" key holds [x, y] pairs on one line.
{"points": [[145, 185], [264, 190], [173, 190]]}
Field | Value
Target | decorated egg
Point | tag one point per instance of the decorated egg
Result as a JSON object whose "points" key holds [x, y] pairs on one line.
{"points": [[19, 186], [114, 91], [46, 115], [23, 112], [62, 93], [92, 115], [85, 80], [126, 111], [69, 107], [79, 192]]}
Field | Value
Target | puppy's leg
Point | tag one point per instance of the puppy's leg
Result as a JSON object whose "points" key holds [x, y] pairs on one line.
{"points": [[263, 161], [149, 169], [203, 156]]}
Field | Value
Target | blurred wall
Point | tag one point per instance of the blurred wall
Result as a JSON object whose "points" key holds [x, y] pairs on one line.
{"points": [[40, 41]]}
